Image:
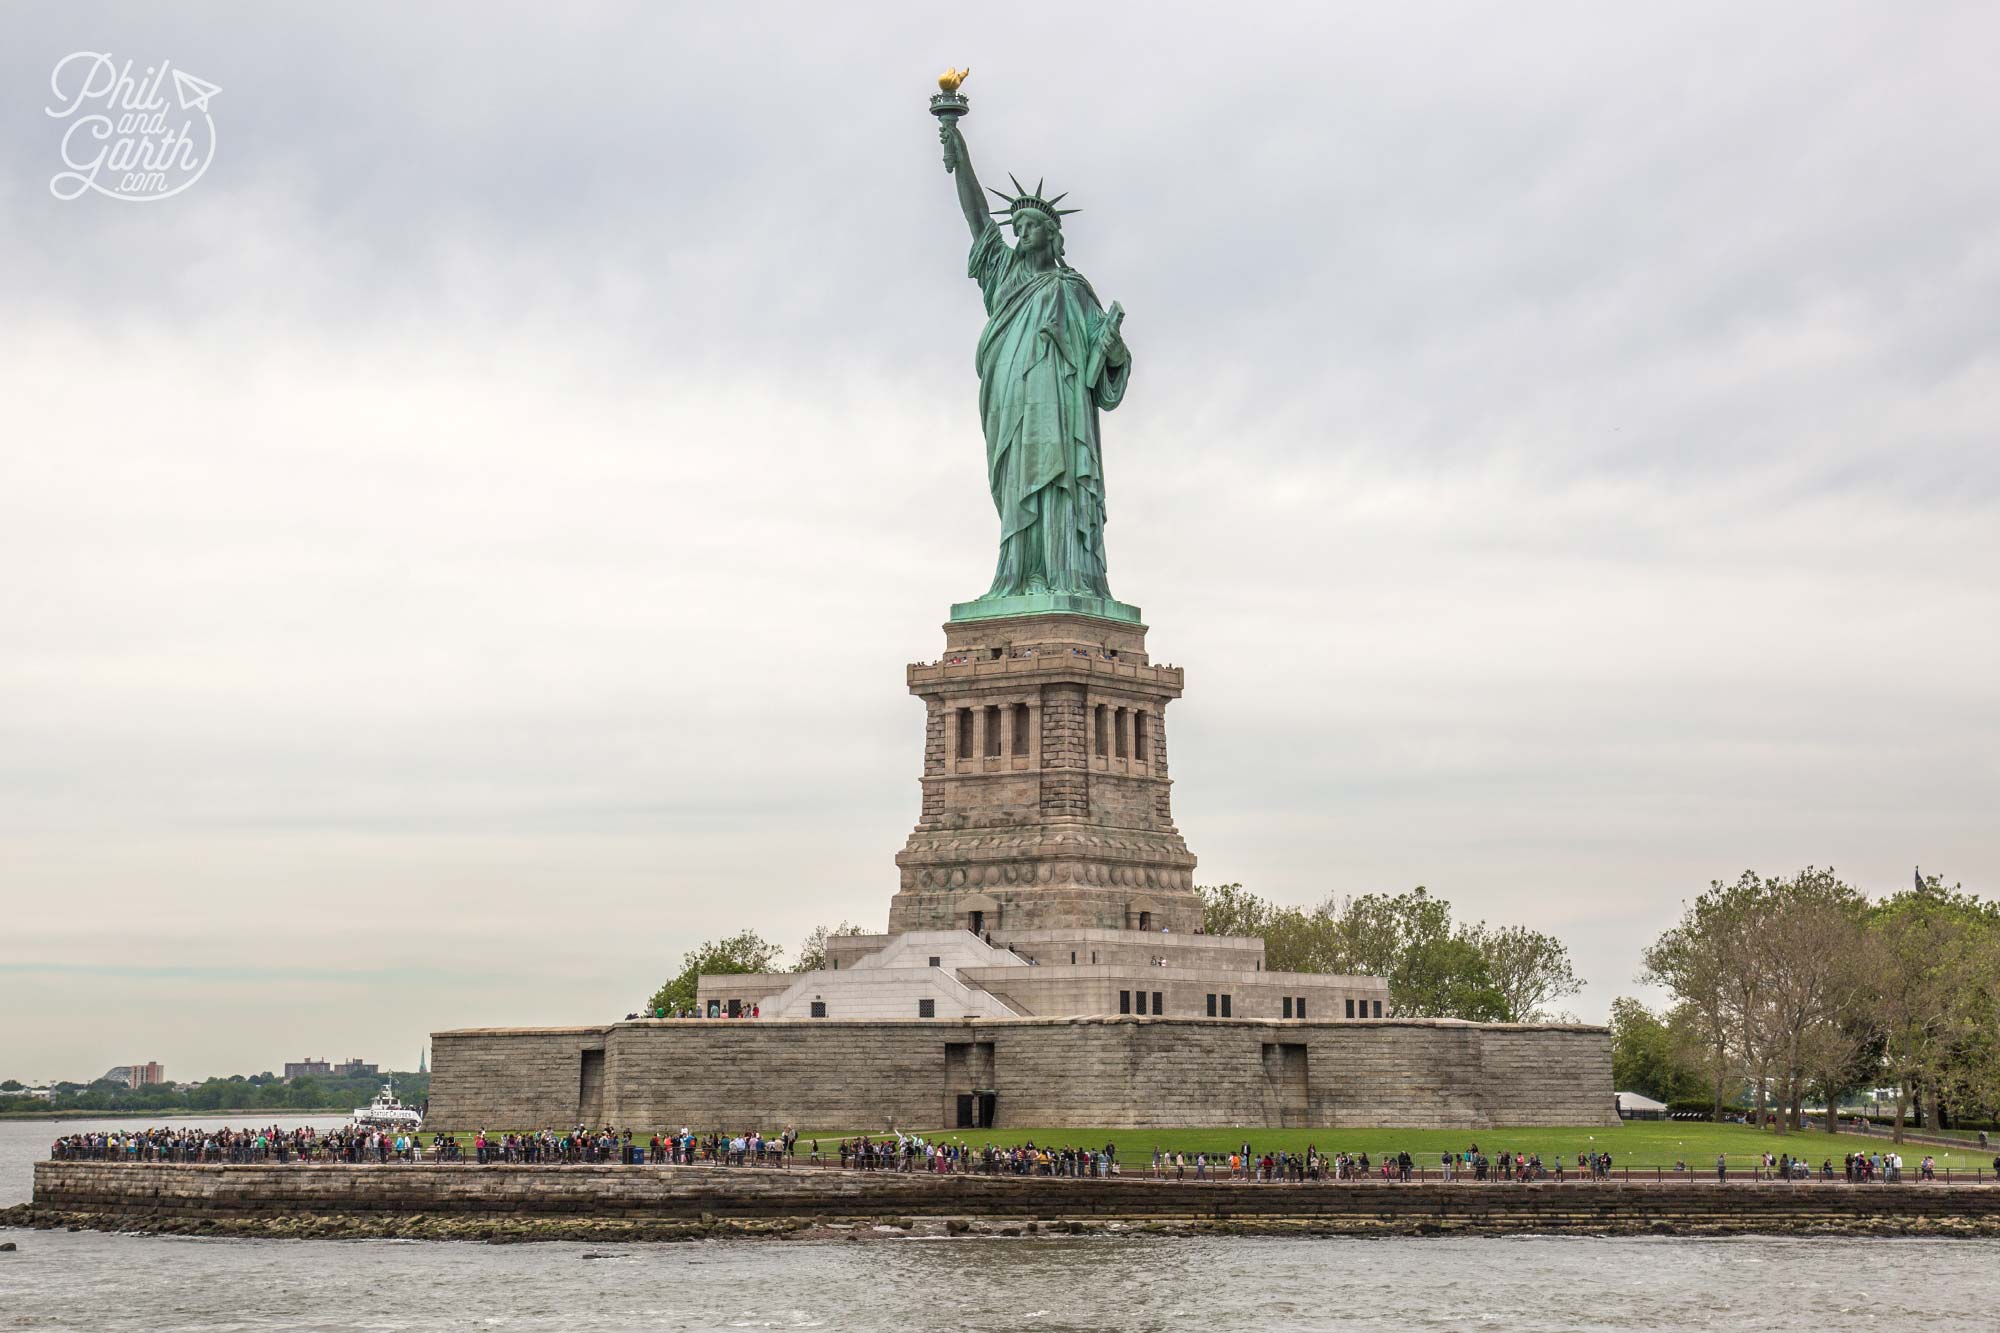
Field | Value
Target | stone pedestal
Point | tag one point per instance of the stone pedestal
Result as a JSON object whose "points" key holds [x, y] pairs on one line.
{"points": [[1045, 783]]}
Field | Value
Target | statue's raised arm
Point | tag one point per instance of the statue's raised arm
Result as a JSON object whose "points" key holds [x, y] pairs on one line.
{"points": [[949, 106], [971, 199]]}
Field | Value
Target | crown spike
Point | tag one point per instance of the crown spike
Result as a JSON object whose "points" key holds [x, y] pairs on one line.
{"points": [[1065, 212], [1038, 186], [1058, 199], [1017, 183], [1000, 194]]}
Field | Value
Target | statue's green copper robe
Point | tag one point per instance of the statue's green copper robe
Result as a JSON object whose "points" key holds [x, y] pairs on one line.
{"points": [[1043, 377]]}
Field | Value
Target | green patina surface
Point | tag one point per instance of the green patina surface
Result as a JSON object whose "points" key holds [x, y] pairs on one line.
{"points": [[1043, 603], [1050, 359]]}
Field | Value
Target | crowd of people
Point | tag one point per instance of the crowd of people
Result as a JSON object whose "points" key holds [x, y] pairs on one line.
{"points": [[909, 1153], [178, 1143], [1472, 1164], [898, 1152]]}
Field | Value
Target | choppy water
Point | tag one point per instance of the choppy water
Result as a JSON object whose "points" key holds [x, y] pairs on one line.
{"points": [[84, 1280]]}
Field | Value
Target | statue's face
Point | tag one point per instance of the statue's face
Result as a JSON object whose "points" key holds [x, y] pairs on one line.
{"points": [[1034, 233]]}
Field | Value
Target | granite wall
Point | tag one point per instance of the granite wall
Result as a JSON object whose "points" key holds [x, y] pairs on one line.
{"points": [[513, 1078], [1113, 1072]]}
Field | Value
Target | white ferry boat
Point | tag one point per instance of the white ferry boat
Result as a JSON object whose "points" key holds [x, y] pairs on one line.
{"points": [[385, 1112]]}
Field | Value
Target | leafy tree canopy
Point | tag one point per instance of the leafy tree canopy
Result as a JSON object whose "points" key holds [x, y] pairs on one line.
{"points": [[745, 951], [1435, 968], [812, 953]]}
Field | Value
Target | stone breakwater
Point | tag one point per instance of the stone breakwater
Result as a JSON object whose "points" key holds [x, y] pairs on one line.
{"points": [[673, 1203]]}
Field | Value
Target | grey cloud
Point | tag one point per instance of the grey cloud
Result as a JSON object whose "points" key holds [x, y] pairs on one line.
{"points": [[507, 490]]}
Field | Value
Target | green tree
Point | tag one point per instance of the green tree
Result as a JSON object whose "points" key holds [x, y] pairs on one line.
{"points": [[744, 952], [1645, 1056], [1934, 950], [1444, 976], [211, 1095], [1435, 968], [1702, 961], [812, 953], [1231, 909], [1530, 970]]}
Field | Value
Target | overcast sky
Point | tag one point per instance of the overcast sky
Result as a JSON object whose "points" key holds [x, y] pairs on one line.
{"points": [[463, 551]]}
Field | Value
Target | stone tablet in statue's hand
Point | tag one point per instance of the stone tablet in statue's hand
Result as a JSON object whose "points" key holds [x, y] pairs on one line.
{"points": [[1115, 352]]}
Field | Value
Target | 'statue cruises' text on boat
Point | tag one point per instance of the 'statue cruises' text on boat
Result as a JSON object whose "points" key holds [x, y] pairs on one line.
{"points": [[385, 1112]]}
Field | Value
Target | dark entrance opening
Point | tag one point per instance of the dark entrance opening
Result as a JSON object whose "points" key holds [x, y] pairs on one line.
{"points": [[977, 923], [986, 1101], [590, 1087], [966, 1110]]}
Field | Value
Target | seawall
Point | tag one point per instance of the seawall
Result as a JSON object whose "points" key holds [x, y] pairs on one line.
{"points": [[653, 1202]]}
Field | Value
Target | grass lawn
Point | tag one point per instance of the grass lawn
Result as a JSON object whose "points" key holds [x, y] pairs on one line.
{"points": [[1635, 1143]]}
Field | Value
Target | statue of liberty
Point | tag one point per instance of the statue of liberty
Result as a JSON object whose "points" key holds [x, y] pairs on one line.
{"points": [[1050, 359]]}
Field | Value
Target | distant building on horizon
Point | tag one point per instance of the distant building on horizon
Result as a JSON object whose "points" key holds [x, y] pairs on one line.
{"points": [[137, 1076], [352, 1067]]}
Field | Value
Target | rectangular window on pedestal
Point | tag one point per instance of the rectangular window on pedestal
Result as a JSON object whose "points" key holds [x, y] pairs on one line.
{"points": [[1139, 736], [993, 731], [1299, 1007], [1378, 1008], [1225, 1006], [965, 733], [1350, 1008], [1103, 732], [1142, 1002], [1211, 1006], [926, 1008], [1118, 732], [1288, 1006], [819, 1009], [1158, 1008], [1124, 1002], [1021, 729]]}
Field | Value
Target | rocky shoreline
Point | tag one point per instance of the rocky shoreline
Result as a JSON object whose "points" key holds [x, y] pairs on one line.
{"points": [[517, 1230]]}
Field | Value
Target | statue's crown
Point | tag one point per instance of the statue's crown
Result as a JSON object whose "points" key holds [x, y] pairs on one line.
{"points": [[1022, 198]]}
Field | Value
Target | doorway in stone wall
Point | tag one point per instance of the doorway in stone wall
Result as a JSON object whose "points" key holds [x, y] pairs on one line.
{"points": [[590, 1088], [967, 1111], [1287, 1099]]}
